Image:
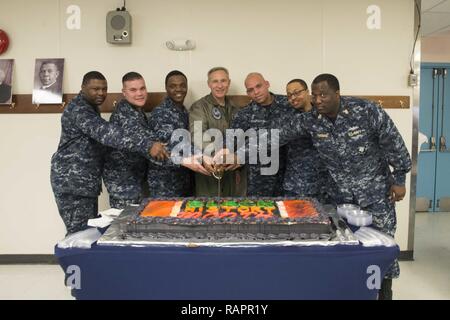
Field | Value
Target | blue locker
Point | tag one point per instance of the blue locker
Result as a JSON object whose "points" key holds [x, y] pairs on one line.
{"points": [[433, 175]]}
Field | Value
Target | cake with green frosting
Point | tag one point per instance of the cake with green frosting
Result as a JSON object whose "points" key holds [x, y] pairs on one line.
{"points": [[218, 218]]}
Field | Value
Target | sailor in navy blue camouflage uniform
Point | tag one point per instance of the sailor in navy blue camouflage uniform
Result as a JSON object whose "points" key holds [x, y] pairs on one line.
{"points": [[305, 175], [77, 165], [169, 179], [358, 142], [259, 114], [125, 172]]}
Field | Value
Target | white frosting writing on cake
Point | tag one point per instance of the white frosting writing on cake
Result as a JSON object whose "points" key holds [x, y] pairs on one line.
{"points": [[176, 208], [282, 209]]}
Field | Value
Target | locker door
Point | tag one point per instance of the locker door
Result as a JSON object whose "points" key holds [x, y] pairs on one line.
{"points": [[426, 170], [442, 192]]}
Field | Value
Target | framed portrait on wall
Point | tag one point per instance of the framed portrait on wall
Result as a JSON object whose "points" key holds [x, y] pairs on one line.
{"points": [[6, 73], [48, 80]]}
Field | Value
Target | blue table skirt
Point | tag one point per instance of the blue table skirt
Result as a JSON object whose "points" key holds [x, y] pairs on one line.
{"points": [[272, 273]]}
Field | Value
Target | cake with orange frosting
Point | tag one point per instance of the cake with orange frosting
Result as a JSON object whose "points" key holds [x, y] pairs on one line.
{"points": [[271, 218]]}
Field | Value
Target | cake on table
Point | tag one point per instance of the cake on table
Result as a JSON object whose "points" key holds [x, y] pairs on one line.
{"points": [[228, 219]]}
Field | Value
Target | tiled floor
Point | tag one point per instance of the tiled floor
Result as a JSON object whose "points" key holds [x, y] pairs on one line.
{"points": [[31, 282], [428, 277]]}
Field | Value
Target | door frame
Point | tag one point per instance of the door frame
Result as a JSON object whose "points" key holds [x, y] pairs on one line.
{"points": [[409, 254]]}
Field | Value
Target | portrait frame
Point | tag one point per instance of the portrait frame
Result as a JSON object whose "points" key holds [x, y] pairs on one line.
{"points": [[6, 80], [48, 81]]}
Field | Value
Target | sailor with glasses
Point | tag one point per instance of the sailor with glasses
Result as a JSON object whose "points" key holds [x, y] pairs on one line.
{"points": [[305, 174]]}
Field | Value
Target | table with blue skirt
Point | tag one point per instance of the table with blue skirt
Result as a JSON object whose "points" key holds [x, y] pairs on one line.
{"points": [[226, 273]]}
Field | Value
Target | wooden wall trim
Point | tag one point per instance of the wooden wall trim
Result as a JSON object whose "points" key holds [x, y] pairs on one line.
{"points": [[22, 103], [390, 102], [387, 102]]}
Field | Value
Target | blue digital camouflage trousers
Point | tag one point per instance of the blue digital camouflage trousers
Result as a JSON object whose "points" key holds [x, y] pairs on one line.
{"points": [[384, 219], [76, 210]]}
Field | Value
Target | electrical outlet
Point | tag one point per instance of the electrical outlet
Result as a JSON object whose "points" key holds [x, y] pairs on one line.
{"points": [[412, 80]]}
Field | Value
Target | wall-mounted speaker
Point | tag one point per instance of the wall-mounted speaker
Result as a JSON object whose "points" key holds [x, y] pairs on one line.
{"points": [[118, 27]]}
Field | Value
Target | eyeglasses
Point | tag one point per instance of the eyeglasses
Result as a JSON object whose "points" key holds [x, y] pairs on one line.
{"points": [[296, 93]]}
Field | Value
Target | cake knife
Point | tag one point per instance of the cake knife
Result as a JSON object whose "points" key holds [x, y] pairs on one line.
{"points": [[340, 234]]}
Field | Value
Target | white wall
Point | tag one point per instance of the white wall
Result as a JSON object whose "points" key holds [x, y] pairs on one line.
{"points": [[282, 39]]}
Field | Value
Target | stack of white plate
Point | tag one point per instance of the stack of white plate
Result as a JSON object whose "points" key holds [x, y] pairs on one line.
{"points": [[354, 215], [359, 218], [345, 208]]}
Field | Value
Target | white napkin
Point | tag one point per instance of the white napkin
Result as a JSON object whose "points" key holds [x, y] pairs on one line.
{"points": [[107, 216], [101, 222], [111, 212]]}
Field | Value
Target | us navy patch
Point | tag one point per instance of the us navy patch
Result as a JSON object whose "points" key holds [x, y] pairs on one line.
{"points": [[216, 113]]}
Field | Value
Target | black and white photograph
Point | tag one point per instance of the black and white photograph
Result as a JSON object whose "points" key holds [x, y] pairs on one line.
{"points": [[234, 157], [48, 77], [6, 71]]}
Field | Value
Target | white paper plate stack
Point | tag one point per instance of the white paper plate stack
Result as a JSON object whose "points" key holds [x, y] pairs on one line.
{"points": [[345, 208], [359, 218], [354, 215]]}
